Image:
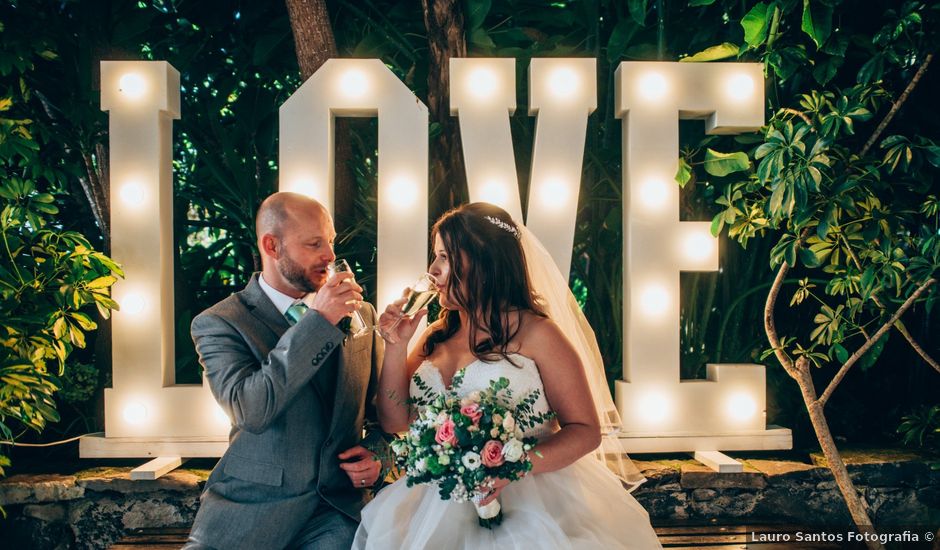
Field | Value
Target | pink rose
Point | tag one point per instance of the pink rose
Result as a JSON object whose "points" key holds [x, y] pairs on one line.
{"points": [[445, 433], [472, 412], [492, 454]]}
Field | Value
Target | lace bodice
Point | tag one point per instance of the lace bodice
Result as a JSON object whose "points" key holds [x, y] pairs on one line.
{"points": [[523, 379]]}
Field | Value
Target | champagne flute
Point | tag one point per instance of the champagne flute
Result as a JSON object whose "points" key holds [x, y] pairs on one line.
{"points": [[342, 266], [418, 296]]}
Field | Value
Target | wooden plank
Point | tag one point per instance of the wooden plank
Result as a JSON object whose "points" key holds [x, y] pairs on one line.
{"points": [[156, 467], [718, 461]]}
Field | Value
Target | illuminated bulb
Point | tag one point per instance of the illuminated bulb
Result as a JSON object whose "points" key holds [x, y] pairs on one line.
{"points": [[554, 194], [563, 82], [132, 193], [654, 194], [741, 407], [135, 413], [740, 86], [653, 407], [653, 86], [654, 301], [133, 303], [132, 85], [494, 193], [403, 192], [699, 246], [353, 83], [483, 83], [221, 416]]}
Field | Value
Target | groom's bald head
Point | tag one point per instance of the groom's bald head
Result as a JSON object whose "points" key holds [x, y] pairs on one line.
{"points": [[284, 211], [295, 239]]}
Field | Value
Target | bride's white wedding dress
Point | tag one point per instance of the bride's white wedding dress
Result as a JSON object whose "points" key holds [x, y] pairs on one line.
{"points": [[581, 506]]}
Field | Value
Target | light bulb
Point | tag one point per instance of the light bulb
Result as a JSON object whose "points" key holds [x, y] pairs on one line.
{"points": [[654, 300], [133, 303], [483, 83], [654, 194], [740, 86], [354, 83], [554, 193], [494, 193], [132, 85], [563, 82], [741, 407], [653, 407], [699, 246], [135, 413], [220, 415], [403, 192], [133, 193], [653, 86]]}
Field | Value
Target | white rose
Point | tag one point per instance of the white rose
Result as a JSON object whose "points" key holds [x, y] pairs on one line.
{"points": [[497, 418], [474, 396], [471, 460], [509, 423], [513, 450]]}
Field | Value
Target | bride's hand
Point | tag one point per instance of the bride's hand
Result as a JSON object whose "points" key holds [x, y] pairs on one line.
{"points": [[498, 485], [406, 326]]}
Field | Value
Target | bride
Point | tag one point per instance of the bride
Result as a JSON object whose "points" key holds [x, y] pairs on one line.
{"points": [[506, 312]]}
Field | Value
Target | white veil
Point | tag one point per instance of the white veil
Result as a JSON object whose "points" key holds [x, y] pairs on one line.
{"points": [[561, 306]]}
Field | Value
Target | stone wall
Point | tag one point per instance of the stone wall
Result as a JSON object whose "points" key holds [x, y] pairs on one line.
{"points": [[95, 507]]}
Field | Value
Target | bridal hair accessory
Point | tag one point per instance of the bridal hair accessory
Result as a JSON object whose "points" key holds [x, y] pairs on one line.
{"points": [[502, 225]]}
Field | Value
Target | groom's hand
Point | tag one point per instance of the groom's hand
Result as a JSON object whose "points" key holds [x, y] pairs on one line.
{"points": [[338, 298], [361, 465]]}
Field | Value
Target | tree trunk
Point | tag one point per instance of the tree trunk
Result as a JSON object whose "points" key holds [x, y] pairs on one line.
{"points": [[856, 504], [444, 22], [800, 372], [315, 43]]}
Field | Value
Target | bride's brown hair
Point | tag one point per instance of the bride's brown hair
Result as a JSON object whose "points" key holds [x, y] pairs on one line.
{"points": [[483, 248]]}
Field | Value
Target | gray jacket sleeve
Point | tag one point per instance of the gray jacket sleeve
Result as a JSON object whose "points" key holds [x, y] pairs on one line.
{"points": [[254, 395]]}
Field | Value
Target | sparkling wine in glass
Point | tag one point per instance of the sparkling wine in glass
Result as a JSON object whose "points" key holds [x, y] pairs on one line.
{"points": [[419, 295], [342, 266]]}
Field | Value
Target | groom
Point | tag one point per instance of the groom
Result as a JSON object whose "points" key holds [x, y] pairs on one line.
{"points": [[297, 388]]}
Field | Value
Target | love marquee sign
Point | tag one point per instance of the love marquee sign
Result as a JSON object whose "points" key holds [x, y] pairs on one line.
{"points": [[147, 414]]}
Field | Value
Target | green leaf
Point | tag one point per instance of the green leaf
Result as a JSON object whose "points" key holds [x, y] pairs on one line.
{"points": [[693, 3], [755, 25], [620, 38], [817, 21], [722, 164], [102, 282], [714, 53], [476, 11], [684, 174], [638, 10]]}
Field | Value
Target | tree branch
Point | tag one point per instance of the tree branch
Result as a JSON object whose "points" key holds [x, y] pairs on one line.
{"points": [[898, 325], [897, 105], [871, 341]]}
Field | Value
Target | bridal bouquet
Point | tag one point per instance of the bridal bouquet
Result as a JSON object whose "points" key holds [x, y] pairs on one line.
{"points": [[461, 443]]}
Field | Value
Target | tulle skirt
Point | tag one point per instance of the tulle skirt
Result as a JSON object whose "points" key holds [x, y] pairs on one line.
{"points": [[582, 506]]}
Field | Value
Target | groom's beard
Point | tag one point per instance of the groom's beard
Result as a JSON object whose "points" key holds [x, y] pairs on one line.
{"points": [[295, 274]]}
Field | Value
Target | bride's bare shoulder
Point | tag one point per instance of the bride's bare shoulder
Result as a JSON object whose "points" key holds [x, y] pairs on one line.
{"points": [[537, 333]]}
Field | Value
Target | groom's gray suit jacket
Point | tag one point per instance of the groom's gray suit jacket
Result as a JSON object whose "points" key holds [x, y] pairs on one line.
{"points": [[297, 396]]}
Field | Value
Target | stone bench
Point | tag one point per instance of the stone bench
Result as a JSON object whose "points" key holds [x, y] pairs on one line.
{"points": [[97, 507]]}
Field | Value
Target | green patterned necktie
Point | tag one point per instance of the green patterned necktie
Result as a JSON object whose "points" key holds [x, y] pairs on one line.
{"points": [[295, 312]]}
